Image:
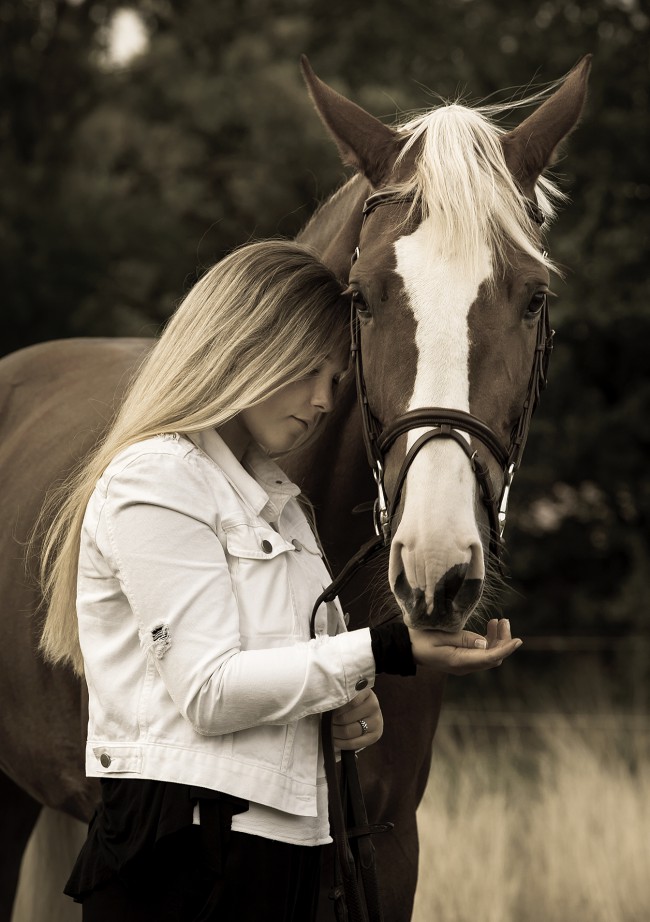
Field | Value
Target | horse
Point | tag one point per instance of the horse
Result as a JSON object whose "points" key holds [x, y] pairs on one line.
{"points": [[437, 237]]}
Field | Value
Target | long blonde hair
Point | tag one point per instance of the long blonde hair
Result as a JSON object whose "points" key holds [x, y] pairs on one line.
{"points": [[263, 317]]}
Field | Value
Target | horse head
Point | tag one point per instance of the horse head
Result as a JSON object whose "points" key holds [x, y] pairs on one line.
{"points": [[449, 283]]}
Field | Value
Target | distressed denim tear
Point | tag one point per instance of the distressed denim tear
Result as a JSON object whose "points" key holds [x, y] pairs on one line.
{"points": [[160, 640]]}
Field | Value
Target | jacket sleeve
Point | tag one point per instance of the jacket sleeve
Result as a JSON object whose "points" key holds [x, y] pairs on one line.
{"points": [[162, 544]]}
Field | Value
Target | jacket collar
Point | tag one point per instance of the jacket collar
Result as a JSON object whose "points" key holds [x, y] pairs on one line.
{"points": [[265, 484]]}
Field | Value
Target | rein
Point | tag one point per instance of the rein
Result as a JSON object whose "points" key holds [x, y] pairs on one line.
{"points": [[356, 891]]}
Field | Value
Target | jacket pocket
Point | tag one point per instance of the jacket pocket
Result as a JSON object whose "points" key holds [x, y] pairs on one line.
{"points": [[257, 558]]}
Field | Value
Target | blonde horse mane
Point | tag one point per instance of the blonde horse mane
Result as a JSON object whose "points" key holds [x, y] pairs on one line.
{"points": [[462, 180]]}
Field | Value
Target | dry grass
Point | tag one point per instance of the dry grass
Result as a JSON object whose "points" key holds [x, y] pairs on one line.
{"points": [[525, 819], [543, 822]]}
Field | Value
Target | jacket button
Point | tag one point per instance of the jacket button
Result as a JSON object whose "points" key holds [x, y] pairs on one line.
{"points": [[296, 544], [105, 759], [361, 684], [267, 547]]}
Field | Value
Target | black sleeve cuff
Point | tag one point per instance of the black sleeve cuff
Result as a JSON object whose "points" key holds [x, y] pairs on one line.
{"points": [[391, 648]]}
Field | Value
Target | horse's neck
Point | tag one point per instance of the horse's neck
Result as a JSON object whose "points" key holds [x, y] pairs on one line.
{"points": [[334, 230], [333, 471]]}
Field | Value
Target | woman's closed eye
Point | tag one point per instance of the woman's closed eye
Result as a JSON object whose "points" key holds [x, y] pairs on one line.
{"points": [[335, 380]]}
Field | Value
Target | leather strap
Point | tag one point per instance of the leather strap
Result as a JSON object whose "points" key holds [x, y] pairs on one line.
{"points": [[365, 553], [439, 416], [445, 430], [362, 845], [356, 889]]}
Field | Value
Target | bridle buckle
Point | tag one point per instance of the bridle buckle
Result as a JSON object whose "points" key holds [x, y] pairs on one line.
{"points": [[381, 519], [505, 495]]}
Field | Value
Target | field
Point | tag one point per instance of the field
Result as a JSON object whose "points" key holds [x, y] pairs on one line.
{"points": [[541, 817]]}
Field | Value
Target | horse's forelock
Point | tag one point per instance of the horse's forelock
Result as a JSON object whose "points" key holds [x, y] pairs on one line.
{"points": [[461, 181]]}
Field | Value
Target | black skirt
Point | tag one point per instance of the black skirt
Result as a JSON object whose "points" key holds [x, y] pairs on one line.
{"points": [[134, 832]]}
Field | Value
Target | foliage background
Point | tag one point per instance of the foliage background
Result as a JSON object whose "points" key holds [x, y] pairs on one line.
{"points": [[121, 180]]}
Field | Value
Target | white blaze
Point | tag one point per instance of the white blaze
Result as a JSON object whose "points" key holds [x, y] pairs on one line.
{"points": [[438, 528]]}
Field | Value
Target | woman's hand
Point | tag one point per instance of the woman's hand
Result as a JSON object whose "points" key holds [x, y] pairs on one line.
{"points": [[347, 732], [465, 651]]}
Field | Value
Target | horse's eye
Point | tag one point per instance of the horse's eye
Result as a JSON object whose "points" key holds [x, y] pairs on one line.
{"points": [[362, 309], [536, 304]]}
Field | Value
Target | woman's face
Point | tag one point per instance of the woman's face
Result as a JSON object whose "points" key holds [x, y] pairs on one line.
{"points": [[281, 421]]}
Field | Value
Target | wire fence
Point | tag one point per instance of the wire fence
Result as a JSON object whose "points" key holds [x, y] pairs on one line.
{"points": [[580, 644], [460, 718]]}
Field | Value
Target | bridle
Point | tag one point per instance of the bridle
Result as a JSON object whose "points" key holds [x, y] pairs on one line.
{"points": [[442, 422], [356, 882], [448, 423]]}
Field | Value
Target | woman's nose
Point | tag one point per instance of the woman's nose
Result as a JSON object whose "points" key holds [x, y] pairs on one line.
{"points": [[323, 396]]}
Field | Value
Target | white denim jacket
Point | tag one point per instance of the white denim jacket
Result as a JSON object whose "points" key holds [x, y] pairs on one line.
{"points": [[194, 625]]}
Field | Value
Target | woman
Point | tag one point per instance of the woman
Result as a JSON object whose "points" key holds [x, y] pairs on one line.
{"points": [[194, 571]]}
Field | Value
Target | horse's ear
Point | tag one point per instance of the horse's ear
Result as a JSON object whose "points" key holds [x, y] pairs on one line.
{"points": [[531, 147], [363, 141]]}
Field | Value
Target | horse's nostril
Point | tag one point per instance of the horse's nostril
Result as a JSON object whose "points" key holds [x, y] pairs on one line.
{"points": [[450, 585], [411, 598], [402, 589]]}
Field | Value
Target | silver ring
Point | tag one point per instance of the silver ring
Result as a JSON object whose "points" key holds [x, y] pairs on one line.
{"points": [[364, 727]]}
